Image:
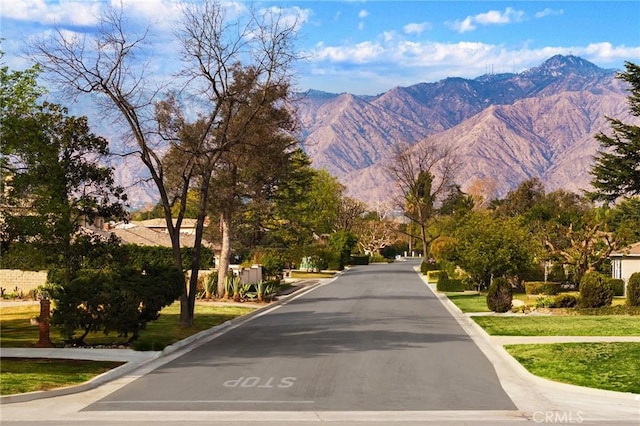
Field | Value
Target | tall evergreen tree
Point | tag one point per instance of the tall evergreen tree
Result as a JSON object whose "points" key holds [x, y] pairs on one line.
{"points": [[616, 171]]}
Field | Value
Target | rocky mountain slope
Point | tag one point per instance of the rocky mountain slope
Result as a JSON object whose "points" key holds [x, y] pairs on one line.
{"points": [[504, 128]]}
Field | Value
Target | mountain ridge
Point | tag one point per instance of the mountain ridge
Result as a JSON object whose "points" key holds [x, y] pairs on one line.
{"points": [[508, 127]]}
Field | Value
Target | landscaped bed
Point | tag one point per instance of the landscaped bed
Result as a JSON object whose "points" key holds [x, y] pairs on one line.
{"points": [[18, 332], [610, 366]]}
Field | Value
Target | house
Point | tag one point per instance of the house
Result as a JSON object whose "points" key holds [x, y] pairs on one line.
{"points": [[625, 262]]}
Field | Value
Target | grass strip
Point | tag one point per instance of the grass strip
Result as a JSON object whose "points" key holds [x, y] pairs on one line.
{"points": [[609, 366], [605, 325], [469, 302], [19, 375]]}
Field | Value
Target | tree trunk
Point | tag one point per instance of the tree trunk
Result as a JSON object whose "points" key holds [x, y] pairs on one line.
{"points": [[225, 252]]}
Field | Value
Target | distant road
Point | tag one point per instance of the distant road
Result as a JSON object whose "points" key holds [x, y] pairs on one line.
{"points": [[375, 339]]}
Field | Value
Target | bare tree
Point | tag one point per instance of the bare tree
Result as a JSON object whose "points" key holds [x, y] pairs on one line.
{"points": [[215, 51], [423, 174]]}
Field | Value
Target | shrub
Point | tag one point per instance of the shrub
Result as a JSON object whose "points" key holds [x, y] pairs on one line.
{"points": [[428, 265], [359, 260], [595, 291], [617, 286], [122, 301], [272, 264], [500, 296], [541, 287], [447, 284], [434, 276], [566, 301], [633, 290], [545, 302]]}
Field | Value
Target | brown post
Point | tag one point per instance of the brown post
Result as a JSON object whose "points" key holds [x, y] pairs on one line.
{"points": [[45, 309]]}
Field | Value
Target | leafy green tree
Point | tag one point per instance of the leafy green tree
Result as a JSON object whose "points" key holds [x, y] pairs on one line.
{"points": [[456, 203], [487, 247], [55, 183], [617, 167], [343, 242], [521, 200]]}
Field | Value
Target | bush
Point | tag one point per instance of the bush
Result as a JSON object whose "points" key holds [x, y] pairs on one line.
{"points": [[633, 290], [595, 291], [500, 296], [272, 264], [447, 284], [426, 266], [617, 286], [545, 302], [434, 276], [540, 287], [122, 301], [566, 301], [359, 260]]}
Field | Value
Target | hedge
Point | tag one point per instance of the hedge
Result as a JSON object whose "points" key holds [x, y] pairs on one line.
{"points": [[447, 284], [541, 287], [433, 276]]}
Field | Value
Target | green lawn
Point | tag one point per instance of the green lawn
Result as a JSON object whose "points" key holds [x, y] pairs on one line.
{"points": [[474, 302], [17, 332], [605, 325], [312, 275], [610, 366], [29, 375], [469, 302]]}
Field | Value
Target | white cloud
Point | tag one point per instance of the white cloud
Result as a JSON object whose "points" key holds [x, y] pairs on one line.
{"points": [[416, 28], [81, 13], [492, 17], [548, 12], [462, 26], [363, 14]]}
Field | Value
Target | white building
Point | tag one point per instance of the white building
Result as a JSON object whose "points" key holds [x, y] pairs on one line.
{"points": [[625, 262]]}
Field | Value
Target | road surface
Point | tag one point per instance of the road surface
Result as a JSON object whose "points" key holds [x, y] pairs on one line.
{"points": [[375, 339]]}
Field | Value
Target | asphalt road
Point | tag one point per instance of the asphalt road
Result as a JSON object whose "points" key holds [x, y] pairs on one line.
{"points": [[375, 339]]}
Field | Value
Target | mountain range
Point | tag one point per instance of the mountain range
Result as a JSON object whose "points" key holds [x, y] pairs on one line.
{"points": [[503, 128]]}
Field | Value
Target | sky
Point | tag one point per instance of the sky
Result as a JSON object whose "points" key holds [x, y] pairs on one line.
{"points": [[369, 47]]}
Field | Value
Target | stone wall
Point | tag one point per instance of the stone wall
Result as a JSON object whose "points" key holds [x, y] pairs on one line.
{"points": [[24, 281]]}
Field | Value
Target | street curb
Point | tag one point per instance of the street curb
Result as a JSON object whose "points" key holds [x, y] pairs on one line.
{"points": [[195, 340]]}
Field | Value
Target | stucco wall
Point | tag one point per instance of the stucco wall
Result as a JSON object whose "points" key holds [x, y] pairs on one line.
{"points": [[24, 281]]}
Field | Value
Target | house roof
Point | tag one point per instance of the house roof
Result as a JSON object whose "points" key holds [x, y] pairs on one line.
{"points": [[631, 251], [162, 223], [131, 233]]}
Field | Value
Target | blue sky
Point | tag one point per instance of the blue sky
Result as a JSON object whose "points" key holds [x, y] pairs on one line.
{"points": [[368, 47]]}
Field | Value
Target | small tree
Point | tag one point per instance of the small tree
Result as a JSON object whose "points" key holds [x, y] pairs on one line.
{"points": [[500, 295], [343, 242]]}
